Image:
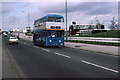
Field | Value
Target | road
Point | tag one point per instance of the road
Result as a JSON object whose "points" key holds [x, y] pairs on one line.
{"points": [[52, 62]]}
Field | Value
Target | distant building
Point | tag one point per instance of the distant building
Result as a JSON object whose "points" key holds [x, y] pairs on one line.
{"points": [[26, 29], [15, 30], [85, 29]]}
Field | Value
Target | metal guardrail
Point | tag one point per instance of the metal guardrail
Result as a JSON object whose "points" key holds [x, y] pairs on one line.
{"points": [[113, 40]]}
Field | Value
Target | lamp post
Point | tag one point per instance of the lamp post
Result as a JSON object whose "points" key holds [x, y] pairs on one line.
{"points": [[66, 19], [18, 29], [28, 18]]}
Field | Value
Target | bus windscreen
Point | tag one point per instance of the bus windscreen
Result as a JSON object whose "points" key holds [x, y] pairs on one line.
{"points": [[55, 33]]}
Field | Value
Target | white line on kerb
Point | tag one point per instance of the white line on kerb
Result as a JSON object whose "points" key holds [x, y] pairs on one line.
{"points": [[62, 55], [100, 66], [45, 49]]}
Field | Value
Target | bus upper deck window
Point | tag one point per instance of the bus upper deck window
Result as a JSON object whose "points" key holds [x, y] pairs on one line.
{"points": [[59, 19], [50, 19]]}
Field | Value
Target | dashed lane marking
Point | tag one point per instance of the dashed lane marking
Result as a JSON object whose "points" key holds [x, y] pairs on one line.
{"points": [[28, 44], [99, 66], [24, 43], [21, 42], [35, 47], [45, 49], [62, 55]]}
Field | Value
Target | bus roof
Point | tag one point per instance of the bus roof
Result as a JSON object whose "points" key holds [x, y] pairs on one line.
{"points": [[53, 15], [50, 15]]}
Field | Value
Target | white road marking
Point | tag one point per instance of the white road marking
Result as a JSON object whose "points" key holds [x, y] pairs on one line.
{"points": [[45, 49], [100, 66], [58, 53], [28, 44], [24, 43], [35, 47], [62, 55]]}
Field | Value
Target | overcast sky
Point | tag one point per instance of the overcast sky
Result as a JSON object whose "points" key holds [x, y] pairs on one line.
{"points": [[80, 12]]}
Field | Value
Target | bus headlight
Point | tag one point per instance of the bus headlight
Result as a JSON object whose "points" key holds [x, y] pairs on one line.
{"points": [[59, 40], [50, 40]]}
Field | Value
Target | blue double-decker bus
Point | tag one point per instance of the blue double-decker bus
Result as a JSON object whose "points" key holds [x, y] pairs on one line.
{"points": [[49, 31]]}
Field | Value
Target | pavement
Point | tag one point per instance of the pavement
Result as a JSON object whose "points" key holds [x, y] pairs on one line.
{"points": [[111, 50]]}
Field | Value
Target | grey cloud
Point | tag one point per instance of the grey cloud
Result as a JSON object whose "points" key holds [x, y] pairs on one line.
{"points": [[103, 8], [10, 7], [7, 8], [57, 8], [99, 11], [93, 8], [88, 8]]}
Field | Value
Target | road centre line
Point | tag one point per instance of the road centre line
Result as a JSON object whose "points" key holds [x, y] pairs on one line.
{"points": [[99, 66], [28, 44], [35, 47], [62, 55], [24, 43], [21, 42], [45, 49]]}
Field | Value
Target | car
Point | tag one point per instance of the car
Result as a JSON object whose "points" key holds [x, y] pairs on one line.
{"points": [[13, 40]]}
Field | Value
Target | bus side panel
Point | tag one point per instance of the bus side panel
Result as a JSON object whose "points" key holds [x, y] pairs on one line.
{"points": [[36, 40]]}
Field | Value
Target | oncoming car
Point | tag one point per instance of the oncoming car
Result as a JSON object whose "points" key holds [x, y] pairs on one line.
{"points": [[13, 40]]}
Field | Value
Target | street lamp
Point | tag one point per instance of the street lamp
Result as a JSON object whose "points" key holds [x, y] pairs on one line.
{"points": [[66, 19], [28, 23], [28, 18]]}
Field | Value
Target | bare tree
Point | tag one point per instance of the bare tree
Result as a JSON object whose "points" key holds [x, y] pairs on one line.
{"points": [[114, 25]]}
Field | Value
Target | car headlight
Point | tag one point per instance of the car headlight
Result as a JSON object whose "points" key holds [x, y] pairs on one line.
{"points": [[59, 40], [50, 40]]}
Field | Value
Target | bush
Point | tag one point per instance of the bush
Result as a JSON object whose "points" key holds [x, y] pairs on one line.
{"points": [[94, 42], [89, 42], [109, 44], [116, 44], [101, 43]]}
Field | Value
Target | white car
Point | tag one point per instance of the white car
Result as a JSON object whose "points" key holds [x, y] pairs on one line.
{"points": [[13, 40]]}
